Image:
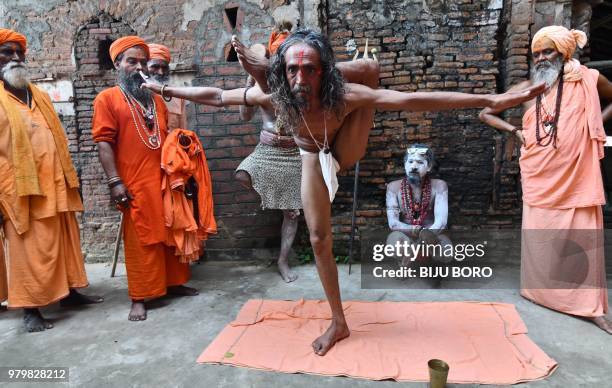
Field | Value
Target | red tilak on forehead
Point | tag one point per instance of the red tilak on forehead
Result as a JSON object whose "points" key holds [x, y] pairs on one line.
{"points": [[301, 56]]}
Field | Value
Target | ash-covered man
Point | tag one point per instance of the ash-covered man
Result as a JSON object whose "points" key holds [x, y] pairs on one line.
{"points": [[311, 98], [159, 71], [274, 168], [563, 138], [417, 205]]}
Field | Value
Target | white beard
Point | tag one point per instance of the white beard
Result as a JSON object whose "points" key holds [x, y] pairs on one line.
{"points": [[16, 75], [547, 72]]}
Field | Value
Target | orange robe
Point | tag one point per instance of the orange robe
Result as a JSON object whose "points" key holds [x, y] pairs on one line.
{"points": [[151, 266], [180, 163], [42, 249], [562, 255]]}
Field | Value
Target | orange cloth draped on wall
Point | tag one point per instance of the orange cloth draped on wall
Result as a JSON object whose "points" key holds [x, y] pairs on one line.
{"points": [[183, 158], [151, 267], [563, 193], [43, 258]]}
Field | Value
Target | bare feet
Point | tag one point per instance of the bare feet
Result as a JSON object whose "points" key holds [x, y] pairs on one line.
{"points": [[335, 332], [603, 323], [286, 273], [253, 63], [33, 321], [182, 291], [138, 312], [77, 299]]}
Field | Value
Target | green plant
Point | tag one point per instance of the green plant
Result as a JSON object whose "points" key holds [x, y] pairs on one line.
{"points": [[342, 259], [304, 255]]}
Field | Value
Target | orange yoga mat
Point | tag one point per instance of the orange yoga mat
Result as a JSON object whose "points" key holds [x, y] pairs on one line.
{"points": [[483, 343]]}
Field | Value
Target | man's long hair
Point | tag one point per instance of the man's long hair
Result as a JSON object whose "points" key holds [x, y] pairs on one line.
{"points": [[332, 84]]}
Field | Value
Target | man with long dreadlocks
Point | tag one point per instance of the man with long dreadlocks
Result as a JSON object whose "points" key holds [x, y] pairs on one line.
{"points": [[274, 169], [563, 137], [311, 98], [130, 126]]}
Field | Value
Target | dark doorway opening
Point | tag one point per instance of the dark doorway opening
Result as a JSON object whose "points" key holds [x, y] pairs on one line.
{"points": [[104, 59]]}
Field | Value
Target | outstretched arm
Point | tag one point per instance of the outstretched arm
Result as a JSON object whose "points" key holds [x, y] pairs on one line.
{"points": [[214, 96], [491, 117], [385, 99], [247, 112]]}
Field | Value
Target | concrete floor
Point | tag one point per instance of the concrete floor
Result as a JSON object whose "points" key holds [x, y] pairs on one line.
{"points": [[103, 349]]}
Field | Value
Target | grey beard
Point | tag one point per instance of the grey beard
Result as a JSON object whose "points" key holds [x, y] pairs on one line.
{"points": [[299, 101], [16, 75], [547, 72], [160, 79], [414, 179], [131, 83]]}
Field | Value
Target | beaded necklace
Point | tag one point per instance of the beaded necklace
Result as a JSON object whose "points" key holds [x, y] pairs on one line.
{"points": [[549, 121], [152, 136], [416, 212]]}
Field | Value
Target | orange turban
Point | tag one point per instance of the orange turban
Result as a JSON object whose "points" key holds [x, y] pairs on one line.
{"points": [[159, 51], [7, 35], [122, 44], [276, 39], [565, 41]]}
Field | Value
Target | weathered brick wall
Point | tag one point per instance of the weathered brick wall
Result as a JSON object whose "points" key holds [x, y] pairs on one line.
{"points": [[243, 226], [64, 44], [425, 46], [478, 46]]}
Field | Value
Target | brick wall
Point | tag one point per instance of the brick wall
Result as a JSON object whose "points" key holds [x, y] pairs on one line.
{"points": [[478, 46], [425, 46]]}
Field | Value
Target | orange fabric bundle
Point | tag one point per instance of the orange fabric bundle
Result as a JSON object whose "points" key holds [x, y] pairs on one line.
{"points": [[276, 39], [181, 162]]}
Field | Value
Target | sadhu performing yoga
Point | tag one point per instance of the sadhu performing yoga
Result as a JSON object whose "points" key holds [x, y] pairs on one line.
{"points": [[330, 120]]}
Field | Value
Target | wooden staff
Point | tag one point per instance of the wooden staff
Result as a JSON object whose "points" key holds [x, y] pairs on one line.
{"points": [[117, 245]]}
